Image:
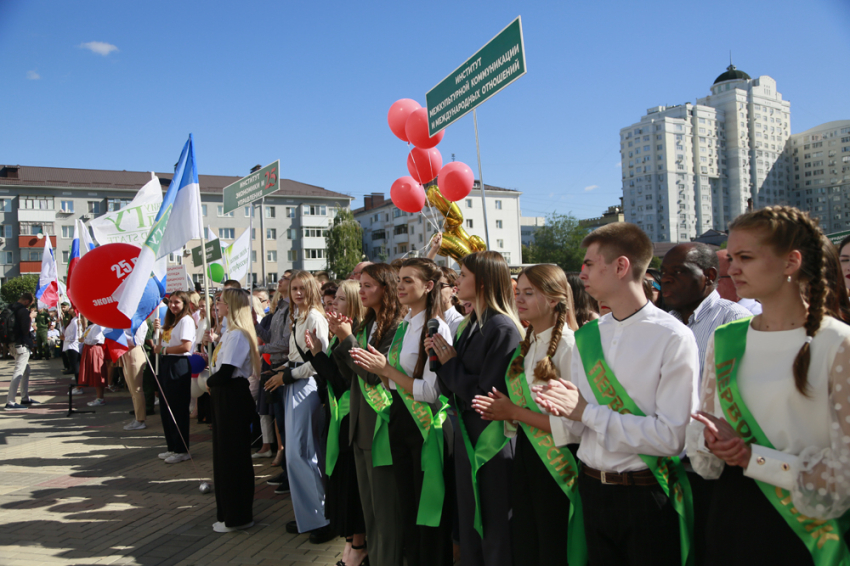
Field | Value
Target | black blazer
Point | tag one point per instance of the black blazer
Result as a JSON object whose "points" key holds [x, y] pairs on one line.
{"points": [[481, 363], [362, 422]]}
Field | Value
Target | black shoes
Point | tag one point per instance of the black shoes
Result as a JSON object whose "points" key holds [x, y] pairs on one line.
{"points": [[322, 535], [29, 401], [280, 479], [292, 527]]}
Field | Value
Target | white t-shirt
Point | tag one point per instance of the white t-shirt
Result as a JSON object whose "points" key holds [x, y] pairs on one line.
{"points": [[235, 350], [139, 337], [52, 333], [93, 335], [183, 330], [72, 341]]}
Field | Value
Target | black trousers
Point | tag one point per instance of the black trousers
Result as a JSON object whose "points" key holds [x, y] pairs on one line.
{"points": [[175, 378], [703, 493], [233, 410], [149, 386], [423, 546], [541, 509], [629, 525], [744, 528], [495, 486], [73, 359], [65, 360]]}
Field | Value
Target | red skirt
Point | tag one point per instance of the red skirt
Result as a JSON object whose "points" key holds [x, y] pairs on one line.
{"points": [[93, 366]]}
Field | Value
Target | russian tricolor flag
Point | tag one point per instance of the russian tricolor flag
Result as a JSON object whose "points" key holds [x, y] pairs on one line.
{"points": [[81, 244], [117, 343], [47, 292]]}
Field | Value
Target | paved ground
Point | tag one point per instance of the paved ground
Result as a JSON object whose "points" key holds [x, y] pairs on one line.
{"points": [[82, 491]]}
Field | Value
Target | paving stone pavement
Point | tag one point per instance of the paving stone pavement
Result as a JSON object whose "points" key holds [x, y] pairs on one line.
{"points": [[80, 490]]}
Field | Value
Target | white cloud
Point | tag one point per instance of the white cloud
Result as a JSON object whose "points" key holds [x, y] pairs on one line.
{"points": [[33, 76], [591, 188], [99, 47], [619, 165]]}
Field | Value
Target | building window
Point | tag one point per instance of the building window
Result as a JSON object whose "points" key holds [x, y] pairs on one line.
{"points": [[36, 203], [271, 277], [253, 233], [253, 256], [500, 243], [290, 212], [271, 255], [7, 258], [175, 258], [94, 207], [315, 233], [469, 203], [226, 233], [7, 231], [67, 206], [270, 212], [315, 210], [469, 222], [221, 213], [66, 256], [204, 209], [314, 254], [498, 205], [271, 233], [67, 231], [31, 254], [292, 255], [35, 228], [116, 204], [507, 257], [498, 223], [249, 211]]}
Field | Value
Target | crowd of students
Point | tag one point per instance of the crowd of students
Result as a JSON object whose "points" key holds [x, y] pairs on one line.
{"points": [[612, 416]]}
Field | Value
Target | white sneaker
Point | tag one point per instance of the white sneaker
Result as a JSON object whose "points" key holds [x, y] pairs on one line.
{"points": [[96, 403], [266, 454], [135, 425], [166, 455], [156, 402], [77, 391], [177, 458], [220, 527]]}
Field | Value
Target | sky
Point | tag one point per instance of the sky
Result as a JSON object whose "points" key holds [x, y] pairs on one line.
{"points": [[120, 85]]}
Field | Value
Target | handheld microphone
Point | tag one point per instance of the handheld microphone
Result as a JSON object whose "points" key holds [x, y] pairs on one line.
{"points": [[433, 327]]}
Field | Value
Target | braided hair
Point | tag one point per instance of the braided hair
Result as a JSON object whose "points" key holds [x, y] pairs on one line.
{"points": [[428, 271], [551, 281], [785, 229]]}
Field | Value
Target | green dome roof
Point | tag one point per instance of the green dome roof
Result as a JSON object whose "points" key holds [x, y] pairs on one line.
{"points": [[732, 74]]}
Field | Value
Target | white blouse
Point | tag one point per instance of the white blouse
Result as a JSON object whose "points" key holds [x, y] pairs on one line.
{"points": [[561, 359], [453, 319], [72, 340], [93, 335], [426, 389], [235, 350], [810, 434], [314, 320]]}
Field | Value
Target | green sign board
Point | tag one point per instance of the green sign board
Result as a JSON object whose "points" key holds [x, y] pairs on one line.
{"points": [[492, 68], [253, 187], [836, 237], [213, 248]]}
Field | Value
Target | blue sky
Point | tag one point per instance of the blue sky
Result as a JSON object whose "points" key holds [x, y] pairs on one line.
{"points": [[120, 85]]}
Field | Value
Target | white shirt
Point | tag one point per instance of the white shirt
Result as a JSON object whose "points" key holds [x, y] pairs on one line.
{"points": [[314, 320], [561, 359], [655, 359], [235, 350], [141, 333], [751, 305], [453, 319], [183, 330], [94, 335], [72, 341], [426, 389], [810, 434], [53, 333]]}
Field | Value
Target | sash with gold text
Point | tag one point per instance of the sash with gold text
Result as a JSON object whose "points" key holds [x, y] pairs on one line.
{"points": [[379, 399]]}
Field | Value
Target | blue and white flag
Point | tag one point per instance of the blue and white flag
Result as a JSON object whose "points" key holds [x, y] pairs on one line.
{"points": [[177, 222]]}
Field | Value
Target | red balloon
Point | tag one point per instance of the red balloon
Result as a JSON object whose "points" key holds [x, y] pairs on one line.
{"points": [[97, 275], [407, 194], [398, 115], [417, 130], [424, 164], [456, 180]]}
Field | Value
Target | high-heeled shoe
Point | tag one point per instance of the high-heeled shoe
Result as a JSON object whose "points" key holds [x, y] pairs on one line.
{"points": [[278, 460]]}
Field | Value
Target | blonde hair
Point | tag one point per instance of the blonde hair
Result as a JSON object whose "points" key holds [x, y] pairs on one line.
{"points": [[494, 290], [240, 318], [312, 295], [551, 281], [258, 308], [351, 290]]}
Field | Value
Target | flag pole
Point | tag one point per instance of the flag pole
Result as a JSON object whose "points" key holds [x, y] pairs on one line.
{"points": [[206, 281]]}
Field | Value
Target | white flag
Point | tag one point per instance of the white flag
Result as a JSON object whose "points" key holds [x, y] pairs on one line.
{"points": [[238, 256], [131, 224]]}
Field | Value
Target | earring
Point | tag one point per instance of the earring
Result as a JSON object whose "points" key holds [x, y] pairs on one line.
{"points": [[789, 279]]}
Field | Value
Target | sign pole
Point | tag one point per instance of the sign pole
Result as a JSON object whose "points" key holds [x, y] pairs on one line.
{"points": [[481, 180], [250, 248], [206, 284], [263, 238]]}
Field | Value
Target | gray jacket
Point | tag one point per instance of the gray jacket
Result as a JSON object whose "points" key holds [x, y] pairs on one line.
{"points": [[276, 338]]}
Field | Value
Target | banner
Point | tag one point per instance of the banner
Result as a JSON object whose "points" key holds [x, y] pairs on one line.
{"points": [[175, 279], [238, 256], [131, 224]]}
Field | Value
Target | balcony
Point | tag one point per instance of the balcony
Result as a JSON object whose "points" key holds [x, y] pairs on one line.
{"points": [[34, 242], [30, 267], [27, 215]]}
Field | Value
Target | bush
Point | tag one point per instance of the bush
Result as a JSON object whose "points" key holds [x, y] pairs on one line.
{"points": [[14, 288]]}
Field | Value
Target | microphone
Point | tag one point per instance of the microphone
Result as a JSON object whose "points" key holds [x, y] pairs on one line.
{"points": [[433, 326]]}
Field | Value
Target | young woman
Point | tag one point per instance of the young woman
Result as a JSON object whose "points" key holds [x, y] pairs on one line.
{"points": [[371, 405], [175, 375], [93, 362], [416, 414], [586, 307], [342, 506], [303, 414], [235, 360], [542, 492], [484, 350], [844, 258], [775, 421], [71, 349]]}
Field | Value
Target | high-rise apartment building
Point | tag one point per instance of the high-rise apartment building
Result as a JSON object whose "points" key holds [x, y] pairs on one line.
{"points": [[694, 167], [820, 158]]}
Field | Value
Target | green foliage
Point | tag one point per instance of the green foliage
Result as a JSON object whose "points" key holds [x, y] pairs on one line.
{"points": [[655, 262], [344, 244], [12, 289], [558, 242]]}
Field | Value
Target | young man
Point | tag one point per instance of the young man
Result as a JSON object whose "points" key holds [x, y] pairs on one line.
{"points": [[21, 350], [634, 374]]}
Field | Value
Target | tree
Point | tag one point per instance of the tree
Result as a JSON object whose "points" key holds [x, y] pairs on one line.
{"points": [[558, 242], [14, 288], [344, 244]]}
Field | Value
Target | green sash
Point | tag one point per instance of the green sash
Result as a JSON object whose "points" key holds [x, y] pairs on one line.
{"points": [[339, 409], [824, 539], [379, 399], [560, 463], [668, 471], [460, 327], [431, 427]]}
